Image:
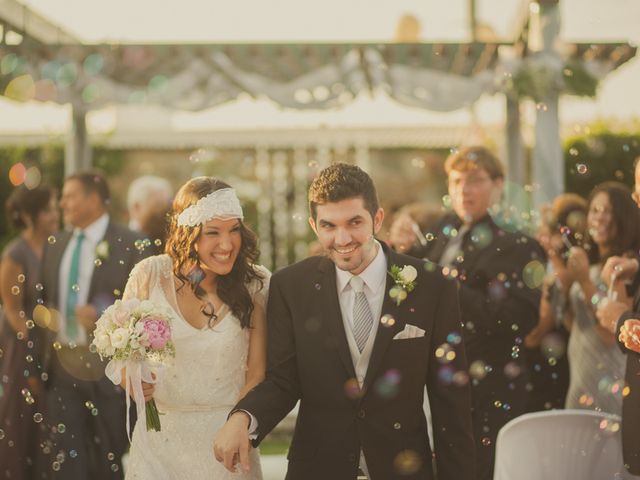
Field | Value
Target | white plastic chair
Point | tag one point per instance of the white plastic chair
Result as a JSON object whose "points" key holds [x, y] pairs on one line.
{"points": [[561, 445]]}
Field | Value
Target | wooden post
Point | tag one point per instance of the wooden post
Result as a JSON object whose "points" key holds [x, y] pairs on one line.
{"points": [[78, 148], [548, 159], [516, 172], [472, 20]]}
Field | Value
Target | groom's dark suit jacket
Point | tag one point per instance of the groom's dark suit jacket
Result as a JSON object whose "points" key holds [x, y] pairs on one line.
{"points": [[631, 402], [309, 360]]}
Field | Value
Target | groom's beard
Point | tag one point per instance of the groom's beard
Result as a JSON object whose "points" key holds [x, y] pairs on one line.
{"points": [[356, 261]]}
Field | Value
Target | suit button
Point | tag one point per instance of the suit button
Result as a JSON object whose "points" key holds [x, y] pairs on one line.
{"points": [[361, 413], [352, 457]]}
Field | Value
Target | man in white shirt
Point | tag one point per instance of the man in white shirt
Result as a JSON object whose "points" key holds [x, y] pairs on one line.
{"points": [[83, 271], [146, 195], [356, 335]]}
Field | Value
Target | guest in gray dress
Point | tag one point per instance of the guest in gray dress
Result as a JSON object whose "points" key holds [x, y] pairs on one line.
{"points": [[564, 224], [597, 366], [35, 213]]}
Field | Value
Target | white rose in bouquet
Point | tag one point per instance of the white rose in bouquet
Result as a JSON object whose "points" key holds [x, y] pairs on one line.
{"points": [[119, 337], [102, 341]]}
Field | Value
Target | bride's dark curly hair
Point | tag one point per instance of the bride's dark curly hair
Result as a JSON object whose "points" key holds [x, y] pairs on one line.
{"points": [[180, 246]]}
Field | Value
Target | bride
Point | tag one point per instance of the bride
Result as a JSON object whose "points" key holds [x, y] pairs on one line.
{"points": [[217, 297]]}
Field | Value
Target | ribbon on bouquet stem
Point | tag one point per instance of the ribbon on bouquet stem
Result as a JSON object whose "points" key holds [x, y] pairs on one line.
{"points": [[136, 372]]}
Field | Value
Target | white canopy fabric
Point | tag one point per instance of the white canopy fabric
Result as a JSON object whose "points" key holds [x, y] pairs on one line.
{"points": [[439, 77]]}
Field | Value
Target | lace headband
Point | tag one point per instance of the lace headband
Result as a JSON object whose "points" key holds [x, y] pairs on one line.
{"points": [[222, 204]]}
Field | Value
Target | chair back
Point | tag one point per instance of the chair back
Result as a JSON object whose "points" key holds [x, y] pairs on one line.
{"points": [[561, 445]]}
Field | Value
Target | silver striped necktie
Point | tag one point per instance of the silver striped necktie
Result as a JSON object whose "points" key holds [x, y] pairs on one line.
{"points": [[362, 316]]}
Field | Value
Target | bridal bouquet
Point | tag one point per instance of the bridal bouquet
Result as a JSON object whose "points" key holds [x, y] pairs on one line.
{"points": [[136, 336]]}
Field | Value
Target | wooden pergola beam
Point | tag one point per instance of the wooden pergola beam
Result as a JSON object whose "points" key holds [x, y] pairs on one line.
{"points": [[22, 19]]}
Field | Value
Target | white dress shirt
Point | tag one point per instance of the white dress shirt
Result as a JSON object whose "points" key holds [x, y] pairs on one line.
{"points": [[94, 234], [374, 278]]}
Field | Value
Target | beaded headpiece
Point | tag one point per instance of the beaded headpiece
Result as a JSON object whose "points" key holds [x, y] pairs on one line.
{"points": [[222, 204]]}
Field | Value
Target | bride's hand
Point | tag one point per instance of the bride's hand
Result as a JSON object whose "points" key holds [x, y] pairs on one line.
{"points": [[147, 388], [232, 442]]}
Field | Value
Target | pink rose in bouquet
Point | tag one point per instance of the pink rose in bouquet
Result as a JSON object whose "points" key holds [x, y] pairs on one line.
{"points": [[157, 331]]}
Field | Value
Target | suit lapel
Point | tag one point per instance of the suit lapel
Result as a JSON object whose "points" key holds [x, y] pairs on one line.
{"points": [[330, 306], [438, 248], [386, 332], [442, 240]]}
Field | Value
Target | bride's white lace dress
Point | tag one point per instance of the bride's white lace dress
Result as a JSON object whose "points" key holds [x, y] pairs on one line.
{"points": [[197, 392]]}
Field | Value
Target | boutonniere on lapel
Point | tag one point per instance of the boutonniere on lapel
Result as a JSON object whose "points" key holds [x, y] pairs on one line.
{"points": [[405, 282], [102, 251]]}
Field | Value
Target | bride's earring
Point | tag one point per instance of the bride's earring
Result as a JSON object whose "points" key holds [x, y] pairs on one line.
{"points": [[196, 274]]}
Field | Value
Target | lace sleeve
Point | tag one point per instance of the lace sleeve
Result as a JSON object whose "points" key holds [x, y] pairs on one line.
{"points": [[260, 294], [139, 280]]}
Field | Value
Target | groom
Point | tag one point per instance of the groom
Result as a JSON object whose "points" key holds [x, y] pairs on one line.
{"points": [[357, 348]]}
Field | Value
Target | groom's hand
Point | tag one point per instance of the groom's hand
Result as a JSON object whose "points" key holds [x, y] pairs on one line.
{"points": [[232, 442]]}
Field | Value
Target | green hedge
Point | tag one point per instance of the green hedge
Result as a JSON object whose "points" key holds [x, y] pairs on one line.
{"points": [[599, 156]]}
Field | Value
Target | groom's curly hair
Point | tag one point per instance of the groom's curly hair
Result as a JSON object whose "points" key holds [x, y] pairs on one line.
{"points": [[342, 181], [180, 246]]}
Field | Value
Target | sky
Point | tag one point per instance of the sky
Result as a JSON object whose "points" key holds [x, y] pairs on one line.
{"points": [[304, 20], [165, 21]]}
